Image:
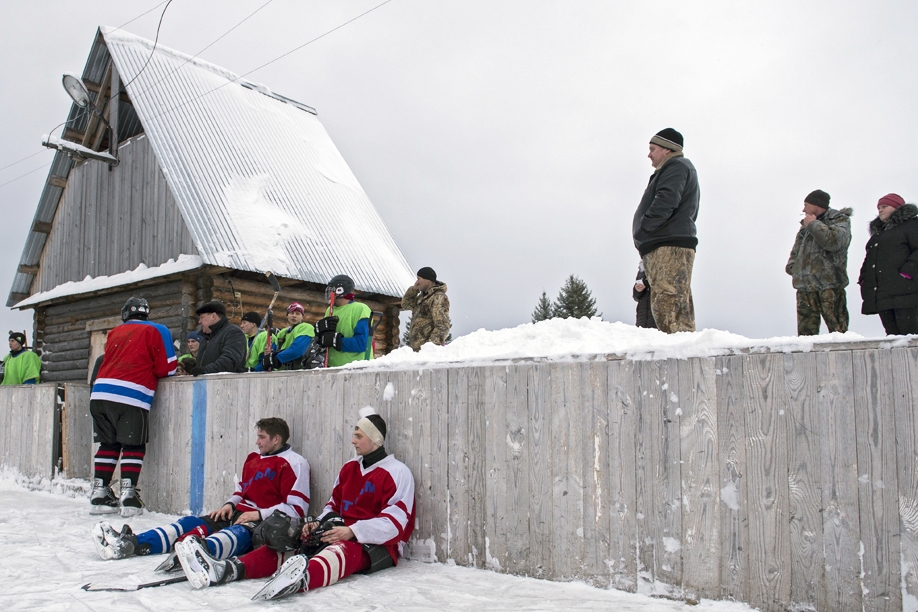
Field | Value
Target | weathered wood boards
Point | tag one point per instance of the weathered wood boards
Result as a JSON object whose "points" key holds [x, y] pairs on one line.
{"points": [[784, 480]]}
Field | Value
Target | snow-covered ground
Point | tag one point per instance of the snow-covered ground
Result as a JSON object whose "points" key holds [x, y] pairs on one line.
{"points": [[46, 555], [575, 339]]}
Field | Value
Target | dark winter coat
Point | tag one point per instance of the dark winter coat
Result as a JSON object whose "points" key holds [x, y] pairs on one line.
{"points": [[644, 316], [667, 212], [892, 249], [430, 315], [819, 258], [223, 349]]}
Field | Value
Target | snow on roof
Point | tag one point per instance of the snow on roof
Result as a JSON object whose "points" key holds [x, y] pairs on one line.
{"points": [[90, 284], [259, 182], [578, 339]]}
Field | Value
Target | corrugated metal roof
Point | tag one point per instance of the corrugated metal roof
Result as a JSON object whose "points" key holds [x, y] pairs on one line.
{"points": [[260, 184]]}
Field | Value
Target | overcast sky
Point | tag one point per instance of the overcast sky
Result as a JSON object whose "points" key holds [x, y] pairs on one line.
{"points": [[504, 143]]}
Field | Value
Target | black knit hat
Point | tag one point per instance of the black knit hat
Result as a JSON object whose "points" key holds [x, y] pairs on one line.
{"points": [[668, 138], [214, 306], [21, 339], [427, 274], [252, 317], [818, 198]]}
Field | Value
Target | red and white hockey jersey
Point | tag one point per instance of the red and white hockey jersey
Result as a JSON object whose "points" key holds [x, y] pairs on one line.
{"points": [[376, 503], [273, 482], [137, 355]]}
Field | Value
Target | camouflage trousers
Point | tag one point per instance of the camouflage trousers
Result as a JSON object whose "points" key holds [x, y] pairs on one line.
{"points": [[669, 270], [830, 304]]}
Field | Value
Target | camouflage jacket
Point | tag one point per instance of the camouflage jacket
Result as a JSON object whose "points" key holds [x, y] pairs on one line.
{"points": [[430, 315], [819, 259]]}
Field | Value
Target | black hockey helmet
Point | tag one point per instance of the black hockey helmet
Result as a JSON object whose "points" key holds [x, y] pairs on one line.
{"points": [[339, 285], [278, 532], [135, 308]]}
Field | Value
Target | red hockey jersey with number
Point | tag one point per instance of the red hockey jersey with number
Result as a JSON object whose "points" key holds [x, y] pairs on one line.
{"points": [[137, 355], [273, 482], [376, 503]]}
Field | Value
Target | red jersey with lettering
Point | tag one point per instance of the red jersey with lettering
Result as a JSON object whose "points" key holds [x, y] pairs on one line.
{"points": [[273, 482]]}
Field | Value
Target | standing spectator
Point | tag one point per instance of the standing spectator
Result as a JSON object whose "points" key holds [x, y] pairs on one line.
{"points": [[255, 339], [818, 264], [889, 276], [21, 366], [641, 294], [427, 301], [137, 353], [346, 335], [289, 351], [664, 232], [224, 345]]}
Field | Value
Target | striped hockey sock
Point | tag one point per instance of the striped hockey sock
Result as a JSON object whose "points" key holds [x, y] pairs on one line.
{"points": [[132, 462], [105, 461]]}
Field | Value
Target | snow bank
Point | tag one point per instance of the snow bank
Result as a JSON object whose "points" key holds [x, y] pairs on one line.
{"points": [[573, 339], [89, 284]]}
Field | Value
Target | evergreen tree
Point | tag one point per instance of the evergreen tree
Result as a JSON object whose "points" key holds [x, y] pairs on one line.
{"points": [[574, 300], [543, 309]]}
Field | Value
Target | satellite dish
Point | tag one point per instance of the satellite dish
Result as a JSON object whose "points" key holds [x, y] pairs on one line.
{"points": [[76, 89]]}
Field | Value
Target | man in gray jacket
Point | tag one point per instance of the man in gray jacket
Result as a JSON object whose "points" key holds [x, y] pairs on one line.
{"points": [[664, 232], [224, 346]]}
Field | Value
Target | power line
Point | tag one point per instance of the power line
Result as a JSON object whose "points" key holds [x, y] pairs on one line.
{"points": [[142, 14], [155, 42], [23, 159], [26, 174], [206, 93]]}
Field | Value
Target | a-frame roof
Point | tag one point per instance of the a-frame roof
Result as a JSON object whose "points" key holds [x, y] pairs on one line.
{"points": [[259, 182]]}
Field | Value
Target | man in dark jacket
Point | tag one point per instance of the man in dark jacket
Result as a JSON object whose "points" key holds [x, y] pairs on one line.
{"points": [[224, 346], [664, 232], [818, 264]]}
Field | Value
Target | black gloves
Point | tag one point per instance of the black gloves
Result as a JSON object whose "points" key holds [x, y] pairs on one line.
{"points": [[329, 339], [328, 324], [270, 361], [196, 371]]}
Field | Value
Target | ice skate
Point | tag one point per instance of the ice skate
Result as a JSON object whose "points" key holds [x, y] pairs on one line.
{"points": [[102, 500], [111, 544], [171, 564], [131, 505], [290, 579], [203, 569]]}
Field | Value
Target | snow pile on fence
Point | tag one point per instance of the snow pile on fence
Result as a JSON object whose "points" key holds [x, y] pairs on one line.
{"points": [[568, 339]]}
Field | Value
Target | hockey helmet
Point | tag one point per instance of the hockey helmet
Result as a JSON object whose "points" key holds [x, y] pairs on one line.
{"points": [[278, 532], [135, 308], [339, 285]]}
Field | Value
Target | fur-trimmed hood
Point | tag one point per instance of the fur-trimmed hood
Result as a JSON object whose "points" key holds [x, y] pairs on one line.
{"points": [[899, 216]]}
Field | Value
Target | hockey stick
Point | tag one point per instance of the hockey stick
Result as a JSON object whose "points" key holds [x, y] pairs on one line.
{"points": [[93, 586], [331, 312], [269, 315]]}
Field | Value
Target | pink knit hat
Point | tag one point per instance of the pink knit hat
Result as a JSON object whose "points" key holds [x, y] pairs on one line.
{"points": [[891, 199]]}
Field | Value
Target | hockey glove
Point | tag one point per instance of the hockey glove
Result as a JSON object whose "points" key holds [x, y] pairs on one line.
{"points": [[196, 371], [330, 340], [270, 361], [328, 324]]}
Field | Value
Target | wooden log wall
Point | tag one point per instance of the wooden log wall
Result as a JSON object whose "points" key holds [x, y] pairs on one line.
{"points": [[788, 481], [109, 221]]}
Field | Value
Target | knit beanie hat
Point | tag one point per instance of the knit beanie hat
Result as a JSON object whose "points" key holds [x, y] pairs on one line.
{"points": [[668, 138], [214, 306], [18, 337], [891, 199], [296, 307], [818, 198], [372, 425], [196, 336], [252, 317], [427, 274]]}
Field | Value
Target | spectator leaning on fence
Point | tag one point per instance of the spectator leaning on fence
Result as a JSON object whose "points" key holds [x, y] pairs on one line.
{"points": [[223, 347], [21, 366]]}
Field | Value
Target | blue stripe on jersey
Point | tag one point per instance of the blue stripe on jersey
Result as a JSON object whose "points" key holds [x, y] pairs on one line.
{"points": [[116, 389]]}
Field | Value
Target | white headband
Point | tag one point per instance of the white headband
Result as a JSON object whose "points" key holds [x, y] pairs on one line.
{"points": [[367, 426]]}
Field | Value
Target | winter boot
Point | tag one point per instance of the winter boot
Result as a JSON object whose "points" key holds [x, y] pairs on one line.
{"points": [[113, 545], [130, 500], [102, 500], [202, 568], [291, 578]]}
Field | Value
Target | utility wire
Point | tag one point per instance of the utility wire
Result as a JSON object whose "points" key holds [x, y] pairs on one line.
{"points": [[155, 42], [206, 93], [26, 174], [142, 14], [22, 160]]}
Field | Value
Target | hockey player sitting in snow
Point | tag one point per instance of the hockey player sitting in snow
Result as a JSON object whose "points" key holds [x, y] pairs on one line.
{"points": [[21, 366], [364, 527], [274, 478], [290, 346], [345, 332]]}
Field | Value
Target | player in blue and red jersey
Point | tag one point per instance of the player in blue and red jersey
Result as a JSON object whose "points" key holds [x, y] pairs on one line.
{"points": [[137, 354]]}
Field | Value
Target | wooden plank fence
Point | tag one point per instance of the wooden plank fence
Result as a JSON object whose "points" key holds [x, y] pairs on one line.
{"points": [[788, 481]]}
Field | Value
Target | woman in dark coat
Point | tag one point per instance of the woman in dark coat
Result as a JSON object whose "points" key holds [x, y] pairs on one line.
{"points": [[889, 276]]}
